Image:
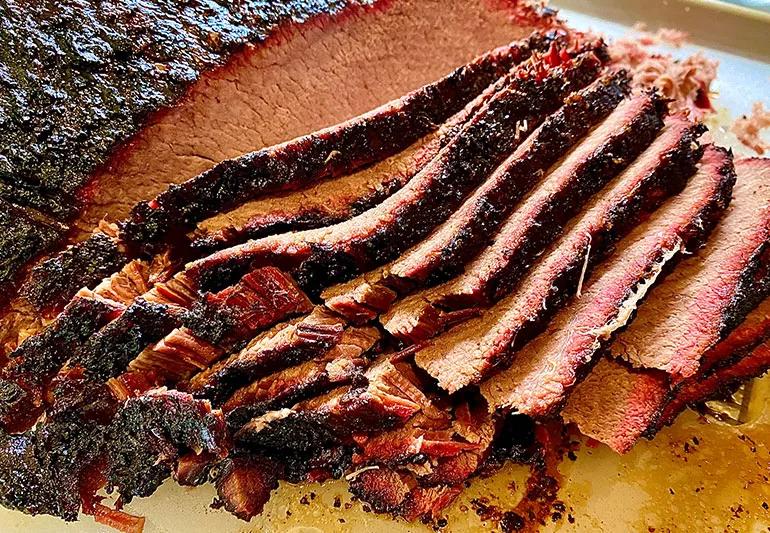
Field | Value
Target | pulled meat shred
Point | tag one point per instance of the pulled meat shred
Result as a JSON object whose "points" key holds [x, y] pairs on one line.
{"points": [[749, 128], [687, 82]]}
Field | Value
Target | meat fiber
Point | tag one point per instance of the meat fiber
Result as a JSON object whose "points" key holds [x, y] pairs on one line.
{"points": [[543, 371], [618, 404], [455, 241], [322, 256], [469, 352], [709, 295]]}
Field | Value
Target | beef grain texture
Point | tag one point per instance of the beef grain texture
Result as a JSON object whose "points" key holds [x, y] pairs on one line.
{"points": [[456, 361], [544, 371], [447, 249], [708, 295], [321, 257], [617, 404], [292, 165]]}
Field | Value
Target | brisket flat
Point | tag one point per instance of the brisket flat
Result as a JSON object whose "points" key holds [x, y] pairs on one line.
{"points": [[617, 404], [537, 221], [469, 353], [333, 201], [707, 296], [292, 165], [322, 256], [544, 370], [462, 235]]}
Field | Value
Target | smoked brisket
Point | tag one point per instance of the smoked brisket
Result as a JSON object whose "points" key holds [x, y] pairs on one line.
{"points": [[537, 221], [708, 295], [320, 257], [545, 370], [289, 166], [469, 352], [445, 251]]}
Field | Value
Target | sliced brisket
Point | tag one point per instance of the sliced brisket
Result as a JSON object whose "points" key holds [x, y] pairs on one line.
{"points": [[617, 404], [292, 165], [538, 220], [470, 352], [322, 256], [388, 395], [463, 234], [334, 201], [717, 384], [708, 295], [314, 336], [544, 370]]}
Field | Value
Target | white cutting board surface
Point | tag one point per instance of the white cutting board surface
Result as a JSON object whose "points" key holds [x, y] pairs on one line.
{"points": [[719, 484]]}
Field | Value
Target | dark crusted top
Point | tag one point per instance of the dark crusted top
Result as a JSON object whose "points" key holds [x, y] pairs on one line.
{"points": [[79, 78]]}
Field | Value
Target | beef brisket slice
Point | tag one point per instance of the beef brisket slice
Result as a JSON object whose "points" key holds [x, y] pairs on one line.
{"points": [[544, 370], [40, 356], [332, 254], [445, 251], [334, 367], [719, 383], [469, 352], [710, 294], [617, 404], [536, 222]]}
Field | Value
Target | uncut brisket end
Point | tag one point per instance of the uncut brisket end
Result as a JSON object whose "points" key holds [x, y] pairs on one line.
{"points": [[454, 242], [289, 166], [468, 353], [543, 371], [53, 96], [707, 296], [80, 79], [325, 154], [537, 221], [323, 256]]}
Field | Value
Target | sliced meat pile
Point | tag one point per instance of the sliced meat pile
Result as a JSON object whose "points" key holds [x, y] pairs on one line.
{"points": [[405, 299]]}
